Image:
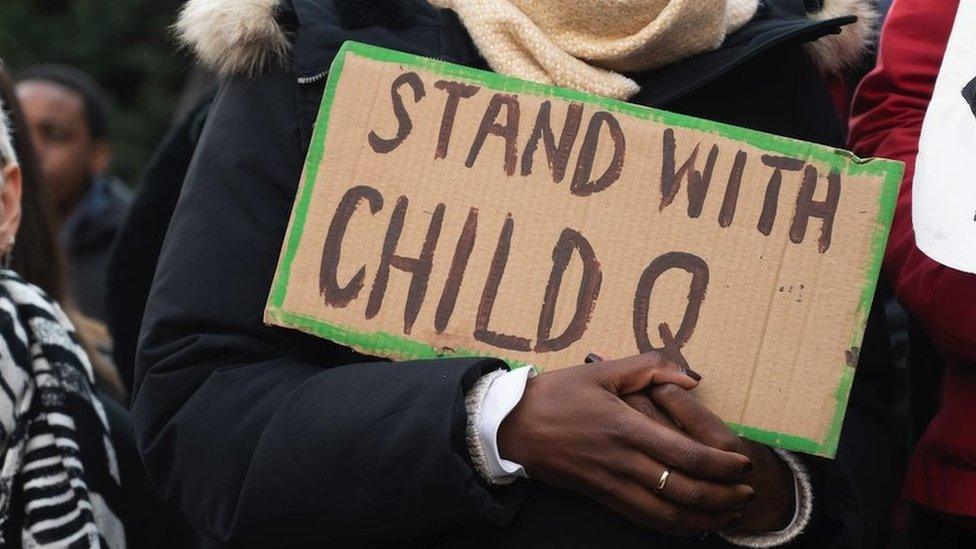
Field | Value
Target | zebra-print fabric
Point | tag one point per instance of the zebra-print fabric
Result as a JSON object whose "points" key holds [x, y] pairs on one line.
{"points": [[57, 457]]}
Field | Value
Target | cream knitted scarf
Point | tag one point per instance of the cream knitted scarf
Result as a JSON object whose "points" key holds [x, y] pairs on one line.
{"points": [[585, 44]]}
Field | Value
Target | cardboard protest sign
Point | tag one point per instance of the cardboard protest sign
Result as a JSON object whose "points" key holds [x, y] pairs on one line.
{"points": [[944, 187], [449, 211]]}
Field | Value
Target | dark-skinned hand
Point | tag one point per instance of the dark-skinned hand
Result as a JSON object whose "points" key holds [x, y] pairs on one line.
{"points": [[770, 478], [573, 430]]}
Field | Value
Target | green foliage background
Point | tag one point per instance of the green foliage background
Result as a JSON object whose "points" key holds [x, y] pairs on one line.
{"points": [[126, 45]]}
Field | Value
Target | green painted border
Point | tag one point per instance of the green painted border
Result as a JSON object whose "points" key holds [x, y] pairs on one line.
{"points": [[388, 345]]}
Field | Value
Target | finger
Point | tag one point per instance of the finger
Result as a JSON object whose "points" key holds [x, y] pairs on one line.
{"points": [[646, 508], [631, 374], [690, 492], [600, 357], [643, 404], [694, 418], [638, 401], [678, 450]]}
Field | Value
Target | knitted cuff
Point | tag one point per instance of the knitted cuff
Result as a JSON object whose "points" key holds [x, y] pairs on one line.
{"points": [[476, 448], [804, 510]]}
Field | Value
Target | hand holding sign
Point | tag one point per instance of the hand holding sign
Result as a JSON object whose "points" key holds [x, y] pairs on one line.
{"points": [[572, 430], [771, 481]]}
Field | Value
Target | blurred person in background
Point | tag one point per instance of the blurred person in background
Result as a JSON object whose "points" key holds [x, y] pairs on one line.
{"points": [[60, 480], [889, 110], [67, 115], [38, 261]]}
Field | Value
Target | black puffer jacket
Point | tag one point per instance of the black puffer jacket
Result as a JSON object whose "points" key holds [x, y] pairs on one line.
{"points": [[268, 437]]}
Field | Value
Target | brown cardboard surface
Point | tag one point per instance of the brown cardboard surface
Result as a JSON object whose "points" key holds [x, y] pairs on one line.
{"points": [[497, 208]]}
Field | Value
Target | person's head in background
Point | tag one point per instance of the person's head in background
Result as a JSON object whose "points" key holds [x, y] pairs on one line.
{"points": [[66, 113], [38, 258], [26, 215]]}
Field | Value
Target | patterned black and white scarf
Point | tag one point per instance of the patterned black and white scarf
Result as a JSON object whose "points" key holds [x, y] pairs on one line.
{"points": [[58, 459]]}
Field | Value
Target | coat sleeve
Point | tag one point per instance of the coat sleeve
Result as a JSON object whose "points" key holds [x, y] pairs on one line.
{"points": [[265, 436], [887, 121]]}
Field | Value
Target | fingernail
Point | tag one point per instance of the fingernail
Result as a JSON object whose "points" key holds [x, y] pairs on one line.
{"points": [[747, 467], [592, 357], [692, 374], [735, 522]]}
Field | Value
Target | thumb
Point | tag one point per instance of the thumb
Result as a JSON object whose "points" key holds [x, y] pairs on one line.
{"points": [[634, 373]]}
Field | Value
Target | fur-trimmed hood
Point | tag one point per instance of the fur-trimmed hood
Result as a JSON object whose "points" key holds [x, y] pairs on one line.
{"points": [[240, 37], [233, 37]]}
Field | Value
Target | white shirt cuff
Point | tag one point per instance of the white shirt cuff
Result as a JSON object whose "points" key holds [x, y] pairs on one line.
{"points": [[488, 403]]}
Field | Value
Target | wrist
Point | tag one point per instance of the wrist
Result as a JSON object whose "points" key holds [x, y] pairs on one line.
{"points": [[511, 438]]}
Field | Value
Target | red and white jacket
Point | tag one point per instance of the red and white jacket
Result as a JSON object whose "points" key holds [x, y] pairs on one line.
{"points": [[887, 117]]}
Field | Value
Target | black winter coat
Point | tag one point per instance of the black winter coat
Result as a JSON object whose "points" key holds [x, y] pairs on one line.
{"points": [[269, 437]]}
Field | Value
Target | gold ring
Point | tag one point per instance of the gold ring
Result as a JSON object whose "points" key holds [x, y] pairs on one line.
{"points": [[661, 482]]}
